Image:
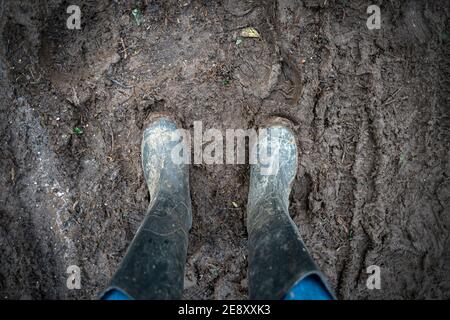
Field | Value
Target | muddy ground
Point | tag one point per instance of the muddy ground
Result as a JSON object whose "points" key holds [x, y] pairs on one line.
{"points": [[371, 110]]}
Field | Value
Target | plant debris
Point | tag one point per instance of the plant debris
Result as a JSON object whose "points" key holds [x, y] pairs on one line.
{"points": [[250, 33]]}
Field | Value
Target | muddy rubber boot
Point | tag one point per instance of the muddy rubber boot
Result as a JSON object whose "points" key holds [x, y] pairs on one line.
{"points": [[278, 258], [153, 267]]}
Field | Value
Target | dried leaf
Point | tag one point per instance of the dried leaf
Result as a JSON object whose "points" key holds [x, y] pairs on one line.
{"points": [[250, 33]]}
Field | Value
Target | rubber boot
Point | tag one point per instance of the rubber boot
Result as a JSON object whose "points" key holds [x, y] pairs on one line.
{"points": [[153, 267], [278, 258]]}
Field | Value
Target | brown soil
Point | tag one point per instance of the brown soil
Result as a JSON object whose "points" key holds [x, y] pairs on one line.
{"points": [[370, 107]]}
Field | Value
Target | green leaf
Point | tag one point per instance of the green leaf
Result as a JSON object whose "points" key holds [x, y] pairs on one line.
{"points": [[137, 15], [78, 131]]}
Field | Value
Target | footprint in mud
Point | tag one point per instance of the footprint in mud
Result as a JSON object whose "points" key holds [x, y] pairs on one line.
{"points": [[239, 8], [69, 56], [258, 67]]}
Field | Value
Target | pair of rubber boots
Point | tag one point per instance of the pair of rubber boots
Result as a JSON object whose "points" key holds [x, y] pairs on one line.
{"points": [[153, 267]]}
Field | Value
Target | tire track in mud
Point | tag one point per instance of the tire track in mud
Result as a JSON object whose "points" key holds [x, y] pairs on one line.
{"points": [[380, 235]]}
